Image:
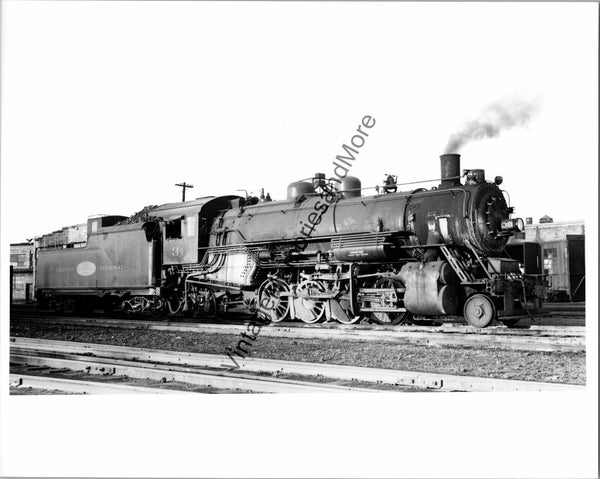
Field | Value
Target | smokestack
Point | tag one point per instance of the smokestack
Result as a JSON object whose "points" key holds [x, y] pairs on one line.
{"points": [[450, 163]]}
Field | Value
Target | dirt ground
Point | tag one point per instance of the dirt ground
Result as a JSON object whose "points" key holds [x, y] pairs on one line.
{"points": [[483, 362]]}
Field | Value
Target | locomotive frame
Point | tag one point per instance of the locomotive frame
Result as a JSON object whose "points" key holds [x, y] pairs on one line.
{"points": [[325, 253]]}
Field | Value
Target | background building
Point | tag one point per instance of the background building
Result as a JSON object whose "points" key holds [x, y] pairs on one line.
{"points": [[563, 255], [21, 265]]}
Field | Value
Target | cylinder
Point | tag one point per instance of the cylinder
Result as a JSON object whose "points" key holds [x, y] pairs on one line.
{"points": [[426, 292], [450, 168]]}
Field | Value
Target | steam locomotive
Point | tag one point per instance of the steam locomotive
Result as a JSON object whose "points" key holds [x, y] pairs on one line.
{"points": [[325, 253]]}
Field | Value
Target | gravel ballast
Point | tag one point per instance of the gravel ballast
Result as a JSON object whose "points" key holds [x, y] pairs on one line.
{"points": [[469, 361]]}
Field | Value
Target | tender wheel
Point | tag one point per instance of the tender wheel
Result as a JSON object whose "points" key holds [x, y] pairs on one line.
{"points": [[108, 304], [309, 310], [60, 305], [135, 306], [128, 310], [158, 307], [479, 310], [383, 317], [84, 306], [43, 301], [274, 299]]}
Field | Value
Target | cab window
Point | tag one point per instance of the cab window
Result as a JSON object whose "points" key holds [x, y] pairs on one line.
{"points": [[173, 229]]}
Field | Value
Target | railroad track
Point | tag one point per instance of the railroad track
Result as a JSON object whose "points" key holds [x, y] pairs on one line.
{"points": [[75, 386], [96, 359], [211, 369], [535, 338], [453, 327]]}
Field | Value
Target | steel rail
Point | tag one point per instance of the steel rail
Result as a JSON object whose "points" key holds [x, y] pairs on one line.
{"points": [[81, 387], [440, 381], [172, 373], [573, 340], [446, 327]]}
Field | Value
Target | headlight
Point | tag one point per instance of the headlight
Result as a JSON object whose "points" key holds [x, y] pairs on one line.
{"points": [[513, 224], [520, 224]]}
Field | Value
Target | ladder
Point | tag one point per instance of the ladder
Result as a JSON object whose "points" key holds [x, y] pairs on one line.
{"points": [[457, 265]]}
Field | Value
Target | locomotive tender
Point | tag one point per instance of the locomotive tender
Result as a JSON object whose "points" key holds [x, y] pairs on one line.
{"points": [[326, 252]]}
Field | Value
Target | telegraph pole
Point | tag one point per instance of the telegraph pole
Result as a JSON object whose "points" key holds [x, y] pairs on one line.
{"points": [[184, 185]]}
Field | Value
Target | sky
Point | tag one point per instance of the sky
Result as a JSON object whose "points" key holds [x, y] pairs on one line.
{"points": [[105, 106]]}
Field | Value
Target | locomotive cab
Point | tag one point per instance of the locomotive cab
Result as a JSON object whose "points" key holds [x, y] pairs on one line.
{"points": [[187, 227]]}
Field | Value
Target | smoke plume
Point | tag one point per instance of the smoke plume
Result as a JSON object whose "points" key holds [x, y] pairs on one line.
{"points": [[493, 120]]}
